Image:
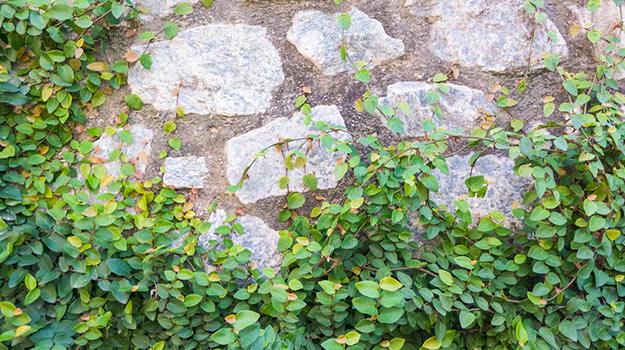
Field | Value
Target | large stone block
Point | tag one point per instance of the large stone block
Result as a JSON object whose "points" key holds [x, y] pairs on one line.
{"points": [[186, 172], [489, 34], [462, 107], [225, 69], [258, 238], [504, 189], [267, 170], [318, 37], [138, 152]]}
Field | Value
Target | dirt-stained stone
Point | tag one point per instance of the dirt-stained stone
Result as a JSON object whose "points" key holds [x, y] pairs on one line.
{"points": [[138, 151], [265, 173], [225, 69], [493, 35], [259, 238], [186, 172], [318, 37], [462, 107]]}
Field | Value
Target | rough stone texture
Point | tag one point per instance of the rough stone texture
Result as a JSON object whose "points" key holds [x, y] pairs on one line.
{"points": [[504, 188], [265, 173], [259, 238], [186, 172], [489, 34], [139, 150], [462, 107], [605, 19], [226, 69], [158, 8], [318, 37]]}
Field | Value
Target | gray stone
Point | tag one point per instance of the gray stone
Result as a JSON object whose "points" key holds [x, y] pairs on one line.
{"points": [[138, 152], [462, 107], [318, 37], [489, 34], [504, 189], [158, 8], [186, 172], [267, 170], [258, 238], [605, 20], [226, 69]]}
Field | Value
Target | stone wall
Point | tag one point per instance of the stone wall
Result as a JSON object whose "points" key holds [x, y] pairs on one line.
{"points": [[237, 68]]}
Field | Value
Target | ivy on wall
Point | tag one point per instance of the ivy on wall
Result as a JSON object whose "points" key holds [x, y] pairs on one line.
{"points": [[88, 261]]}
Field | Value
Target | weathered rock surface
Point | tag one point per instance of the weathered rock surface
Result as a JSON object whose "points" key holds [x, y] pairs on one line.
{"points": [[489, 34], [226, 69], [259, 238], [606, 20], [318, 37], [504, 188], [265, 173], [139, 150], [158, 8], [186, 172], [462, 107]]}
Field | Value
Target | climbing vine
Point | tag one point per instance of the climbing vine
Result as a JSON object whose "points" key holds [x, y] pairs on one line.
{"points": [[94, 261]]}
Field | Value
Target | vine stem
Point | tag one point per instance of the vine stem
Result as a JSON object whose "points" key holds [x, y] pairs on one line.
{"points": [[563, 289]]}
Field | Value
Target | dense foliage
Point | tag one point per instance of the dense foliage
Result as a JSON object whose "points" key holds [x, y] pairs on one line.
{"points": [[89, 260]]}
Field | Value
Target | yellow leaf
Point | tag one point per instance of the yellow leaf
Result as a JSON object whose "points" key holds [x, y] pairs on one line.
{"points": [[97, 66], [46, 93], [574, 29], [90, 212], [213, 277], [613, 234], [231, 319], [107, 179], [431, 343], [619, 278], [74, 241], [21, 330]]}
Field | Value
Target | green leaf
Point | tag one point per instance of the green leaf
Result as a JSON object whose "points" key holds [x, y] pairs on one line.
{"points": [[594, 36], [224, 336], [396, 125], [466, 318], [365, 305], [363, 76], [331, 344], [295, 200], [245, 319], [431, 343], [207, 3], [146, 61], [340, 170], [183, 8], [345, 21], [192, 300], [118, 266], [567, 329], [134, 102], [310, 181], [32, 296], [445, 277], [368, 288], [169, 127], [390, 284], [60, 12], [171, 30], [593, 5], [174, 143], [551, 62]]}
